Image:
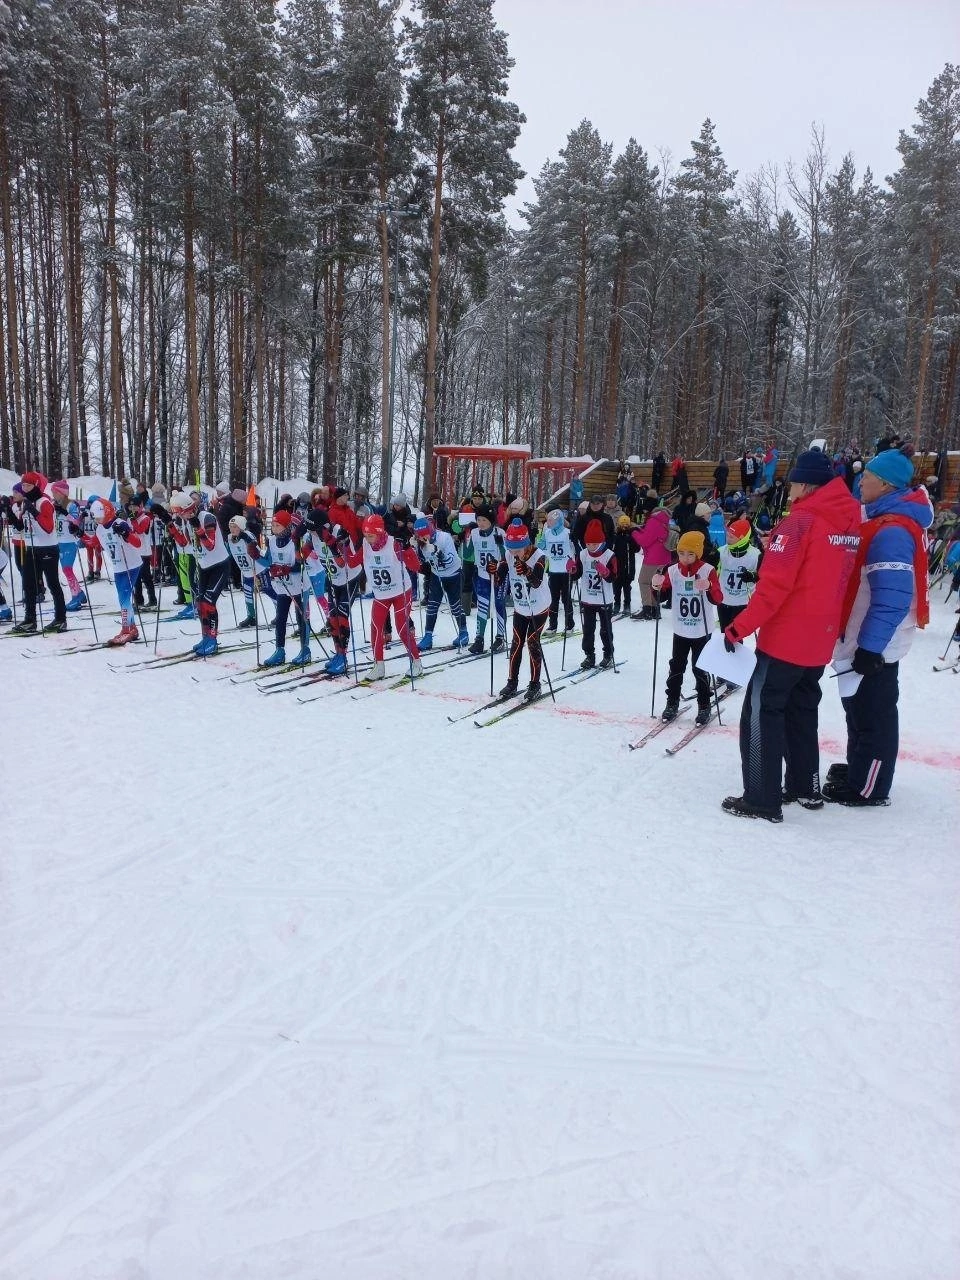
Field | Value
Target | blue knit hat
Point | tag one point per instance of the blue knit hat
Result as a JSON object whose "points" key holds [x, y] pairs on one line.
{"points": [[812, 467], [893, 468]]}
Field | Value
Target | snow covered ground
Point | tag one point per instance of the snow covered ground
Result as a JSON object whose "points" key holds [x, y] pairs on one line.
{"points": [[343, 991]]}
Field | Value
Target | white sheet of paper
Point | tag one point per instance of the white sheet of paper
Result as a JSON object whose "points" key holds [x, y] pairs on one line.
{"points": [[736, 667], [848, 681]]}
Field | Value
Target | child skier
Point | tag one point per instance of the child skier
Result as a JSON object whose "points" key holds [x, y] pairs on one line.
{"points": [[244, 547], [486, 543], [197, 533], [69, 532], [596, 570], [561, 562], [739, 566], [526, 566], [385, 563], [143, 525], [439, 554], [122, 547], [90, 542], [290, 583], [694, 585], [344, 568]]}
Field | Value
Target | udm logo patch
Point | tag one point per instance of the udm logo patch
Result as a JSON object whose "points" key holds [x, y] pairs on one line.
{"points": [[779, 542]]}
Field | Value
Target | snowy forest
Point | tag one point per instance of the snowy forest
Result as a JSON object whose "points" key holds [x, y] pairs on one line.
{"points": [[240, 240]]}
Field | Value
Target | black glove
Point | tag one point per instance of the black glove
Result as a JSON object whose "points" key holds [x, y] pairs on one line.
{"points": [[122, 529], [747, 575], [866, 663], [728, 642], [195, 521]]}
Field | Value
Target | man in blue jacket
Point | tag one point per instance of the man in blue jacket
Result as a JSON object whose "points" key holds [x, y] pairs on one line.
{"points": [[886, 601]]}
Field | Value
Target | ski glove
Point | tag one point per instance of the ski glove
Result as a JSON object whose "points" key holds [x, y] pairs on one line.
{"points": [[730, 641], [866, 663], [571, 566], [122, 529], [601, 568], [279, 571]]}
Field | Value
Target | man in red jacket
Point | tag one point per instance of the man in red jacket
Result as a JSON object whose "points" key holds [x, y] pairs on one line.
{"points": [[795, 611]]}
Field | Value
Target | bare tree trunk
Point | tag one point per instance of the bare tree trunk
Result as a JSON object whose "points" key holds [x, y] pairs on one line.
{"points": [[14, 400], [433, 313]]}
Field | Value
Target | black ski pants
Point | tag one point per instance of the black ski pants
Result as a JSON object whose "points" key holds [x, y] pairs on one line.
{"points": [[526, 632], [591, 614], [560, 593], [42, 564], [685, 647], [779, 723], [873, 733]]}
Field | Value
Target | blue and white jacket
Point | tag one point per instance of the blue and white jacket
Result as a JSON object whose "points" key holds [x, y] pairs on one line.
{"points": [[884, 614]]}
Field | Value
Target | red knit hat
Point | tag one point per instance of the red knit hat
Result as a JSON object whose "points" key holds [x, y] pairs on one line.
{"points": [[282, 518], [594, 534], [35, 478]]}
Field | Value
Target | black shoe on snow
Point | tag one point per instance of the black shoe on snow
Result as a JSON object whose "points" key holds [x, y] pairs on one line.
{"points": [[24, 629], [606, 662], [509, 689], [588, 663], [550, 628], [838, 772], [54, 628], [805, 802], [477, 646], [246, 623], [742, 808], [499, 644], [670, 712], [569, 626], [532, 691], [703, 716], [840, 793]]}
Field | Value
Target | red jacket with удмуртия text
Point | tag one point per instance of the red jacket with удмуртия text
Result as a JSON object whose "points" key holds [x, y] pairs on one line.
{"points": [[795, 609]]}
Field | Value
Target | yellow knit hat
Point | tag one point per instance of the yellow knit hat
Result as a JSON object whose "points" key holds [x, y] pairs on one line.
{"points": [[692, 541]]}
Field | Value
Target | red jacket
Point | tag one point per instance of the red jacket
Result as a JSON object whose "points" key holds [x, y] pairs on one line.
{"points": [[796, 607]]}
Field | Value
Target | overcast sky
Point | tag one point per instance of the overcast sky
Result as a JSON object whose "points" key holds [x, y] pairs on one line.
{"points": [[762, 70]]}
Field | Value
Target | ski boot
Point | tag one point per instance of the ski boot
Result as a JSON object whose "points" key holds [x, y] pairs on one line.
{"points": [[6, 615], [426, 644], [416, 668], [551, 628], [606, 662], [336, 665], [276, 659], [303, 658], [509, 689], [463, 639], [77, 603], [670, 711], [703, 715], [55, 628], [187, 614], [588, 663], [499, 644], [533, 691], [478, 645], [24, 629], [206, 648], [377, 671], [124, 636]]}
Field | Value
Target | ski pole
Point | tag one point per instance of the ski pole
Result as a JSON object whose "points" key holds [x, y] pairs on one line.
{"points": [[492, 613], [37, 580], [713, 678], [563, 654], [13, 584], [156, 629], [656, 642]]}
